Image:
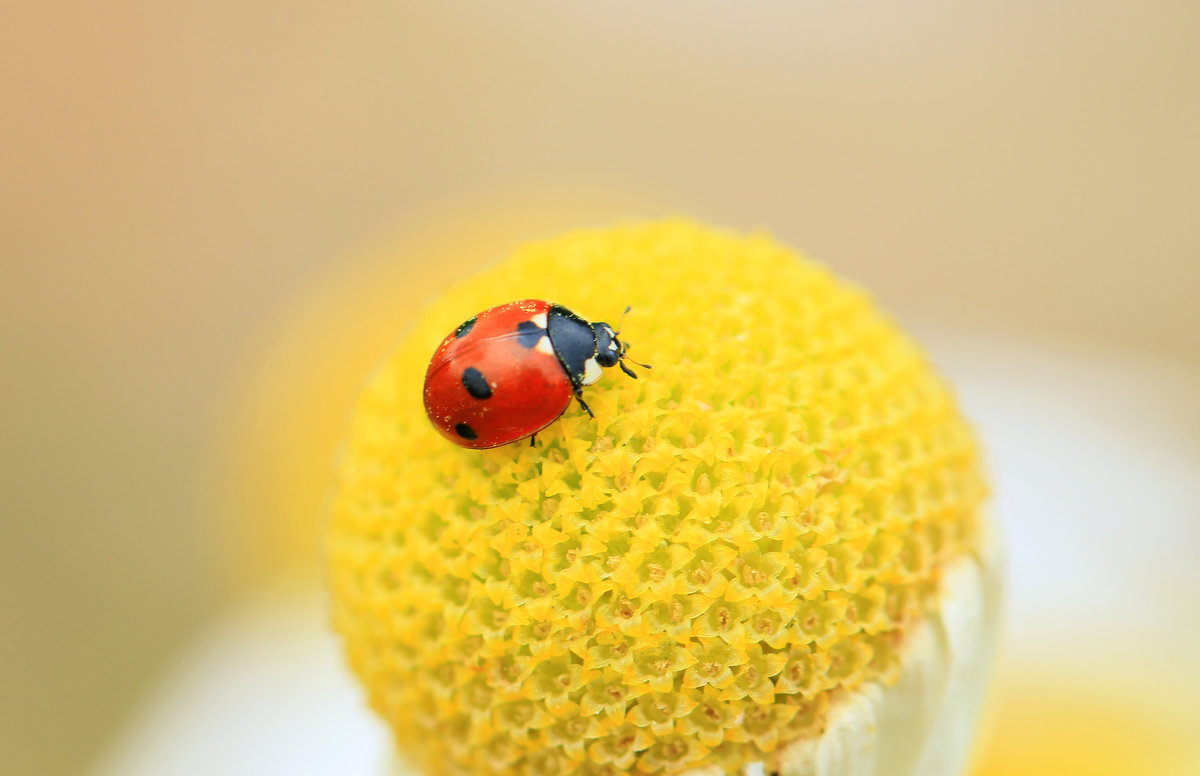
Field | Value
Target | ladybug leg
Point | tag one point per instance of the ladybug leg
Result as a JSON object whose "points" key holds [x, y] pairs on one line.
{"points": [[533, 439], [582, 403]]}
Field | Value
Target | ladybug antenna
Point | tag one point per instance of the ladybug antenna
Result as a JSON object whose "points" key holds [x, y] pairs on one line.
{"points": [[625, 357], [622, 318]]}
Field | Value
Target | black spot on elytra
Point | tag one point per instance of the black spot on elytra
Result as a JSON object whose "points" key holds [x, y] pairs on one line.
{"points": [[465, 431], [464, 327], [528, 333], [475, 383]]}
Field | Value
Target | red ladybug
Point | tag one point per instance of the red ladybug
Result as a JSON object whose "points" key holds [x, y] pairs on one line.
{"points": [[510, 371]]}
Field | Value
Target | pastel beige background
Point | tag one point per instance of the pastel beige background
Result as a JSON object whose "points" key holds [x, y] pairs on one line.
{"points": [[214, 216]]}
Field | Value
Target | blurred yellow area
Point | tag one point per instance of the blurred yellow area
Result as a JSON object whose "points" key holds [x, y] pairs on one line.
{"points": [[1083, 728]]}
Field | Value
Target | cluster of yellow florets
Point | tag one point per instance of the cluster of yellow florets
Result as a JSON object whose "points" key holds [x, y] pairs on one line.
{"points": [[689, 578]]}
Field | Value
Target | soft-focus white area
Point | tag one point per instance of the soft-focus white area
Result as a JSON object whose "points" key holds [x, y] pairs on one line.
{"points": [[1095, 462], [264, 692], [1095, 459]]}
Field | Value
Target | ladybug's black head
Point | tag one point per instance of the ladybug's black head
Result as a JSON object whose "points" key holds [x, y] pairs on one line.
{"points": [[610, 351]]}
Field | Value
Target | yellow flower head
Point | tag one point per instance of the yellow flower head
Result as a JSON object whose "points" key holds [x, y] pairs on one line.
{"points": [[690, 578]]}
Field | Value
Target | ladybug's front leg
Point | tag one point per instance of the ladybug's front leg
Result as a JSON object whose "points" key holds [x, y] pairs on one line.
{"points": [[582, 403]]}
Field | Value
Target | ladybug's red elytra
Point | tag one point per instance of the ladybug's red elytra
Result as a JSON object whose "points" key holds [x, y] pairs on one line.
{"points": [[511, 370]]}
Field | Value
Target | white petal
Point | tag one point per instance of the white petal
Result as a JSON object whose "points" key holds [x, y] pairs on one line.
{"points": [[850, 744]]}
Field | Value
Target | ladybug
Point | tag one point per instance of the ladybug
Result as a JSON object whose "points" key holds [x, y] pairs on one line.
{"points": [[510, 371]]}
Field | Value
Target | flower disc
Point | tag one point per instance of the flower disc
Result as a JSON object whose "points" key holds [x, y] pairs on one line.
{"points": [[749, 530]]}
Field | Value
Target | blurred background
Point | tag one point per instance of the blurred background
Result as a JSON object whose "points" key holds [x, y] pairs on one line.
{"points": [[214, 217]]}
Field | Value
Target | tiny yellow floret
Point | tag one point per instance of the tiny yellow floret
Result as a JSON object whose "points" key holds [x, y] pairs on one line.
{"points": [[738, 537]]}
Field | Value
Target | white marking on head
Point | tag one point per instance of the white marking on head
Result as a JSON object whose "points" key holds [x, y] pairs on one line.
{"points": [[591, 371], [544, 345], [539, 320]]}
